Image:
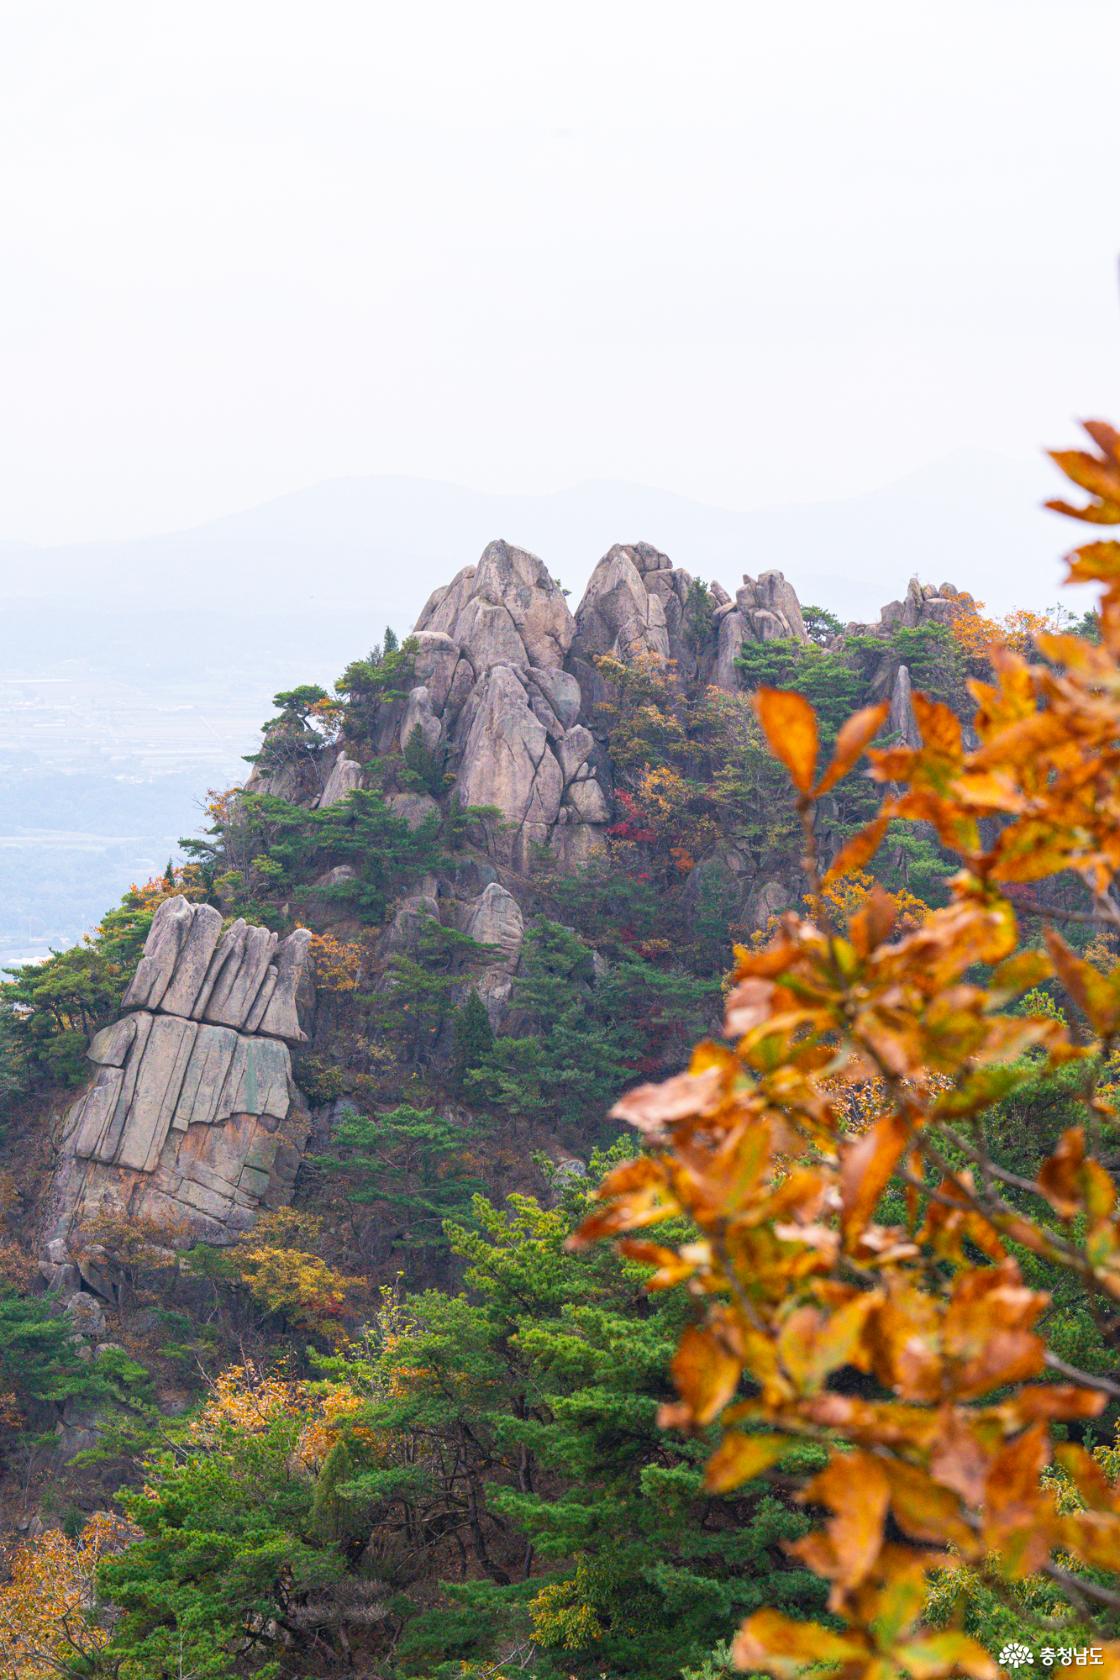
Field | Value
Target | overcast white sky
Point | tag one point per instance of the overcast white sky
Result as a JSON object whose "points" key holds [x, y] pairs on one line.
{"points": [[753, 252]]}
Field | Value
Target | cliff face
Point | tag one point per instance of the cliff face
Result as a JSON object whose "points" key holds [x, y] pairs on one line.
{"points": [[192, 1118]]}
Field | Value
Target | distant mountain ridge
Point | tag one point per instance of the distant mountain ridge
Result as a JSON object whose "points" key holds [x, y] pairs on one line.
{"points": [[385, 543]]}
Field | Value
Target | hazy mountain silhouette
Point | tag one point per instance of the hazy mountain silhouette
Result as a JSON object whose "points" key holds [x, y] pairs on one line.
{"points": [[385, 543], [134, 675]]}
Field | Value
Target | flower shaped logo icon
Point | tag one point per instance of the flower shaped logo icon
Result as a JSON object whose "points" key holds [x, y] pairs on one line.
{"points": [[1015, 1655]]}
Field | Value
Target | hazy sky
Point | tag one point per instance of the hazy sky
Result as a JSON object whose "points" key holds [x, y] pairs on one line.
{"points": [[753, 251]]}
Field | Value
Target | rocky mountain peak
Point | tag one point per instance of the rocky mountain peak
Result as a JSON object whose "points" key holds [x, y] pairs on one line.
{"points": [[508, 690], [506, 610]]}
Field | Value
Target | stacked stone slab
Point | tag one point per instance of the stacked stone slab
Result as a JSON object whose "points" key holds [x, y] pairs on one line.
{"points": [[192, 1119], [244, 978]]}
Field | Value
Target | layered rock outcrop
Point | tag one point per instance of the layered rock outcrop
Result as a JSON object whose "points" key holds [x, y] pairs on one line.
{"points": [[192, 1119]]}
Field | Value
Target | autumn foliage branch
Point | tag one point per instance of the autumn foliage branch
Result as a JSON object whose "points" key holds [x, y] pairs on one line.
{"points": [[914, 1351]]}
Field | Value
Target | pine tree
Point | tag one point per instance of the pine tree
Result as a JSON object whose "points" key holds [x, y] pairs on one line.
{"points": [[407, 1165], [592, 1536], [473, 1037]]}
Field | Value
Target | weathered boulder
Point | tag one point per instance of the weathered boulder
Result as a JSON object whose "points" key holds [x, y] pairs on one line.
{"points": [[412, 917], [555, 698], [296, 777], [191, 1119], [292, 998], [86, 1313], [192, 963], [732, 631], [588, 800], [618, 614], [419, 715], [237, 971], [494, 694], [771, 608], [923, 604], [575, 844], [170, 930], [639, 604], [345, 775], [178, 1073], [495, 919], [415, 808], [185, 1134], [770, 900], [434, 664], [573, 749], [487, 633], [901, 720]]}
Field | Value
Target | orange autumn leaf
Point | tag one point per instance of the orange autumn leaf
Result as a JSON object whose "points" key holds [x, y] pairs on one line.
{"points": [[790, 726], [852, 738], [857, 852], [855, 1488], [866, 1168], [738, 1458], [705, 1372], [787, 1649]]}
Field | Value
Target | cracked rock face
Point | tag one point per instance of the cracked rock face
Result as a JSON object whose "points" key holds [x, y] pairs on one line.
{"points": [[509, 685], [618, 614], [192, 1118], [494, 692], [243, 978], [494, 918], [508, 764], [507, 610]]}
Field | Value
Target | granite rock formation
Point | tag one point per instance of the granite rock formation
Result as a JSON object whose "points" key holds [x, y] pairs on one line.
{"points": [[508, 687], [494, 694], [192, 1119]]}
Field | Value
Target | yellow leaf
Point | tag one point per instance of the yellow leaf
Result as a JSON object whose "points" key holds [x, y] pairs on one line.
{"points": [[738, 1458]]}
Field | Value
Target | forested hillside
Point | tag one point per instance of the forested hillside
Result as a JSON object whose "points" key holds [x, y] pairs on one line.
{"points": [[312, 1361]]}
